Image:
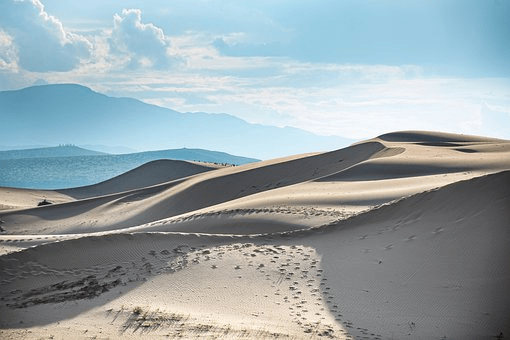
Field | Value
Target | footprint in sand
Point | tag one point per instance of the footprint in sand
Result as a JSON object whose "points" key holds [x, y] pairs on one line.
{"points": [[438, 230]]}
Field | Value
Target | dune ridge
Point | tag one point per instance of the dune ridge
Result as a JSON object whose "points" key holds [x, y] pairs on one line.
{"points": [[401, 236], [146, 175]]}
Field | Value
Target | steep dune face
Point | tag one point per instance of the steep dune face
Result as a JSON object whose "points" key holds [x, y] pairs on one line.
{"points": [[401, 237], [419, 159], [429, 266], [417, 153]]}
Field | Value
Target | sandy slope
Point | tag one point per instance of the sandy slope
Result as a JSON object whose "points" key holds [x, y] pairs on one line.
{"points": [[16, 198], [146, 175], [149, 174], [401, 237]]}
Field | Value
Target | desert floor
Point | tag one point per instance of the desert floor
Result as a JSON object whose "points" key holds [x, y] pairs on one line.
{"points": [[404, 236]]}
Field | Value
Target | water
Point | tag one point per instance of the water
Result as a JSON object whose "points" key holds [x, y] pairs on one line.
{"points": [[75, 171], [64, 172]]}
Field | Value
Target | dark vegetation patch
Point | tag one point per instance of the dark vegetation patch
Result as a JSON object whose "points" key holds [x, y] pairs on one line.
{"points": [[44, 202], [142, 321], [85, 288]]}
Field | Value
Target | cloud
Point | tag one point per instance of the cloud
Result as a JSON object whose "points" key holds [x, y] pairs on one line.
{"points": [[234, 48], [355, 101], [8, 53], [253, 75], [33, 40], [142, 45], [496, 117], [38, 40]]}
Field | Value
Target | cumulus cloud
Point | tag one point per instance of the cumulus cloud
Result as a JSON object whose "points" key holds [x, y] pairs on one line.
{"points": [[142, 45], [38, 40]]}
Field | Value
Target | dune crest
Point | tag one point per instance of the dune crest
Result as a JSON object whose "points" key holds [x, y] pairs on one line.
{"points": [[401, 236], [146, 175], [434, 137]]}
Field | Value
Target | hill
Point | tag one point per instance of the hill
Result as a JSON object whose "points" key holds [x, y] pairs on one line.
{"points": [[53, 114], [58, 151], [185, 154]]}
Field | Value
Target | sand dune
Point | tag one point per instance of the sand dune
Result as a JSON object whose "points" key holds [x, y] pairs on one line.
{"points": [[146, 175], [17, 198], [435, 137], [149, 174], [139, 206], [404, 236]]}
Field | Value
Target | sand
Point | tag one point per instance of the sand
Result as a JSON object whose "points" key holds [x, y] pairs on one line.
{"points": [[404, 236]]}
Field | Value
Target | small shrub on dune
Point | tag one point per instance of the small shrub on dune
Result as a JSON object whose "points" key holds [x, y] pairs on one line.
{"points": [[44, 202]]}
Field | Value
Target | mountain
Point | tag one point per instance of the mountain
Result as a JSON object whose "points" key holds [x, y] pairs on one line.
{"points": [[22, 147], [185, 154], [68, 113], [58, 151], [109, 149]]}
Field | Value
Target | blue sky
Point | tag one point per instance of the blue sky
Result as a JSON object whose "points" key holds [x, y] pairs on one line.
{"points": [[351, 68]]}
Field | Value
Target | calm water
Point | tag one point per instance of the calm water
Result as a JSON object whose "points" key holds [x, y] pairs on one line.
{"points": [[65, 172]]}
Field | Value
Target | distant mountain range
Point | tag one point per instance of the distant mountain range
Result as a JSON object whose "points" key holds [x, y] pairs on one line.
{"points": [[69, 113], [24, 147], [59, 151], [183, 154]]}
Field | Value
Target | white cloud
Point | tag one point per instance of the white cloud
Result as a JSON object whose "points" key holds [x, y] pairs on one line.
{"points": [[39, 39], [135, 59], [142, 45], [8, 53], [32, 40]]}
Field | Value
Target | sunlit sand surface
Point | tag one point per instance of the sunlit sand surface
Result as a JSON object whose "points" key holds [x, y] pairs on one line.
{"points": [[404, 236]]}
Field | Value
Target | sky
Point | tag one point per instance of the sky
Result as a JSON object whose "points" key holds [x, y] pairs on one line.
{"points": [[353, 68]]}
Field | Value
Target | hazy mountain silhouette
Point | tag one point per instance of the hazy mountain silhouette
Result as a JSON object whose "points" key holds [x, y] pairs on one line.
{"points": [[23, 147], [185, 154], [58, 151], [68, 113], [108, 148]]}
